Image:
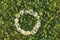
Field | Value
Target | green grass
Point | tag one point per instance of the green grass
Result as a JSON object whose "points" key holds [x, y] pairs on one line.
{"points": [[49, 16]]}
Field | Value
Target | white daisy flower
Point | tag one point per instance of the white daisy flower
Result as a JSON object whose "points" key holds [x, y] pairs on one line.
{"points": [[35, 14], [27, 33], [22, 31], [16, 21], [17, 15], [22, 12]]}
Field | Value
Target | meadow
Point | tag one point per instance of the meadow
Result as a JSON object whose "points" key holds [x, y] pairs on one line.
{"points": [[48, 10]]}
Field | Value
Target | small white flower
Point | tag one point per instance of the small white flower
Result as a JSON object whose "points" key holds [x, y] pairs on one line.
{"points": [[16, 20], [27, 33], [22, 31], [22, 12], [35, 14], [36, 27], [18, 29], [38, 23], [37, 17], [33, 32], [17, 15]]}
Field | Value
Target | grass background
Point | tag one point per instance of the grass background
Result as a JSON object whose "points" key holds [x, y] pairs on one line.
{"points": [[47, 10]]}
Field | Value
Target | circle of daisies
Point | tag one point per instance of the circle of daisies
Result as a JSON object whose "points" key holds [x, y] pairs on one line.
{"points": [[35, 28]]}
